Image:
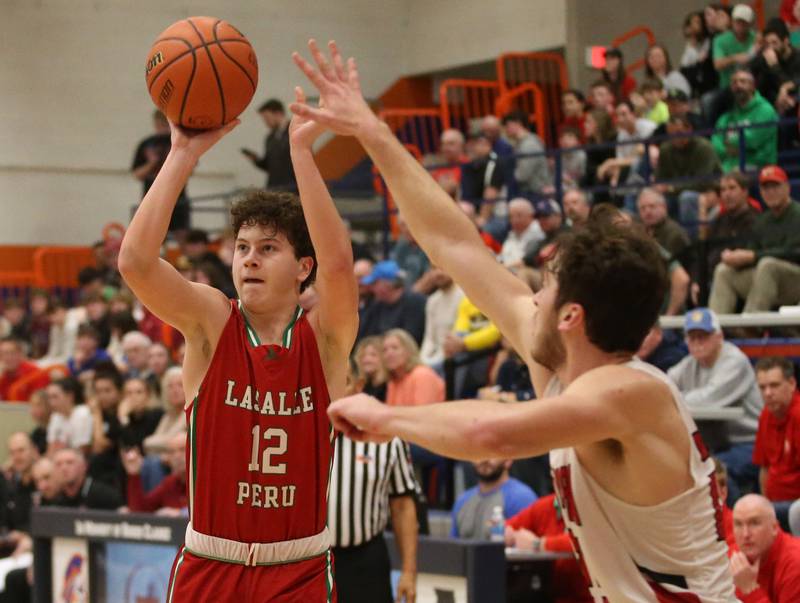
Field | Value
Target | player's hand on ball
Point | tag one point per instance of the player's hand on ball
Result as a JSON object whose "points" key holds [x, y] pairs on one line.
{"points": [[197, 142], [361, 418], [343, 108]]}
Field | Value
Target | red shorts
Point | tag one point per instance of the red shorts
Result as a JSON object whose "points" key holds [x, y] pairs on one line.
{"points": [[199, 580]]}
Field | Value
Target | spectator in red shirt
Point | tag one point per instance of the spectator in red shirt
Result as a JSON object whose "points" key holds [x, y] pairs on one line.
{"points": [[777, 448], [614, 74], [539, 527], [169, 497], [13, 367], [766, 566], [451, 153], [573, 106]]}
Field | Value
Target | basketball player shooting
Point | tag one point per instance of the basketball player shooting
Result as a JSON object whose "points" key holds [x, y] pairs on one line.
{"points": [[633, 478], [259, 375]]}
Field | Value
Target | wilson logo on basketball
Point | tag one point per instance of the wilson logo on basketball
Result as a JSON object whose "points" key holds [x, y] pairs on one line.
{"points": [[157, 59], [166, 93]]}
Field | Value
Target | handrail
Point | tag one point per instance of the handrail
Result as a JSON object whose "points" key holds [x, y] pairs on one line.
{"points": [[478, 99], [631, 34]]}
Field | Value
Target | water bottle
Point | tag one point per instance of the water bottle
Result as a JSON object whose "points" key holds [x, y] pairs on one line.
{"points": [[497, 525]]}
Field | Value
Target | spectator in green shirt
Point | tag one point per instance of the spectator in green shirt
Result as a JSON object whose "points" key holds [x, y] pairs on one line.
{"points": [[735, 46], [767, 272], [691, 159], [761, 144]]}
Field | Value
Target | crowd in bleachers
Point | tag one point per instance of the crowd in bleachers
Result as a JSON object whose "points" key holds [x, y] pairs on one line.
{"points": [[103, 381]]}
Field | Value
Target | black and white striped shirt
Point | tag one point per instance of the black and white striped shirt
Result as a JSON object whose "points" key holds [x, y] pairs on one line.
{"points": [[363, 478]]}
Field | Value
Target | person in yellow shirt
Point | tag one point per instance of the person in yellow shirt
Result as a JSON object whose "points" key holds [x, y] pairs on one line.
{"points": [[472, 332]]}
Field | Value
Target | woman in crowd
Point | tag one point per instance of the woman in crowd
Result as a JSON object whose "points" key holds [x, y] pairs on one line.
{"points": [[410, 382], [370, 374], [39, 409], [137, 414], [697, 66], [658, 65], [70, 425], [104, 464], [622, 84], [599, 129], [158, 361], [172, 423]]}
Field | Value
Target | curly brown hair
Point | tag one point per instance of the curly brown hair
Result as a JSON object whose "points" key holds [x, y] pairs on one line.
{"points": [[616, 273], [282, 212]]}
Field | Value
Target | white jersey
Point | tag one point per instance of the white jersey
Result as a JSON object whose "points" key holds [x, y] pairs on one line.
{"points": [[671, 552]]}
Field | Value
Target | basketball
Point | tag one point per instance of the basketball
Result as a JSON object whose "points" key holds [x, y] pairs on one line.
{"points": [[201, 72]]}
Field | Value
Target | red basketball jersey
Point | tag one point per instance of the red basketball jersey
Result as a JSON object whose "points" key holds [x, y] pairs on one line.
{"points": [[260, 442]]}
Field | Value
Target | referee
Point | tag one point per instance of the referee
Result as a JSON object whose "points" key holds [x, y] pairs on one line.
{"points": [[368, 483]]}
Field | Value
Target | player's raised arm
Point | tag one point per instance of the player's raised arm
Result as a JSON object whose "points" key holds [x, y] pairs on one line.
{"points": [[154, 281], [336, 314], [447, 236]]}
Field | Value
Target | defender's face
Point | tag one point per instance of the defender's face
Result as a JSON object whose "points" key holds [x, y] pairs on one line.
{"points": [[265, 267], [548, 349]]}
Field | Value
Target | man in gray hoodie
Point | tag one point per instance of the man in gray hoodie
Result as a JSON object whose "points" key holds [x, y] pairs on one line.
{"points": [[717, 374]]}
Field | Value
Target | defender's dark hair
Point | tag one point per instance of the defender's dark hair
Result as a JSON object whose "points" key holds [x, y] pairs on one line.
{"points": [[615, 272], [282, 212]]}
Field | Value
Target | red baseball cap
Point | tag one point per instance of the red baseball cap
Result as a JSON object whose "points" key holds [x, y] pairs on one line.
{"points": [[772, 173]]}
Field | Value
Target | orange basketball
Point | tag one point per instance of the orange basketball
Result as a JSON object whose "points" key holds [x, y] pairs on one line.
{"points": [[201, 72]]}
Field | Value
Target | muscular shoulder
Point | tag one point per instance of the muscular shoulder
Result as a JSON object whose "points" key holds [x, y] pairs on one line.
{"points": [[640, 396]]}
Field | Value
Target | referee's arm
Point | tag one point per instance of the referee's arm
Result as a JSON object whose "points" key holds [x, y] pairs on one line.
{"points": [[404, 523], [403, 489]]}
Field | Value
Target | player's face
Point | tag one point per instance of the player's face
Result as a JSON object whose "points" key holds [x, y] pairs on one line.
{"points": [[754, 530], [265, 266], [548, 349]]}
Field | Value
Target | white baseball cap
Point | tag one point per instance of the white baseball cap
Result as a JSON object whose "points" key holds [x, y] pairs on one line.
{"points": [[743, 13]]}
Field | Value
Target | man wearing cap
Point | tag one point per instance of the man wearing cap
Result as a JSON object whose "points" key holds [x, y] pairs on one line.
{"points": [[692, 161], [735, 46], [766, 273], [393, 306], [715, 375], [749, 107], [551, 221]]}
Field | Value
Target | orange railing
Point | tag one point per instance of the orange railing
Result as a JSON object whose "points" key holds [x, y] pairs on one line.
{"points": [[421, 128], [641, 30], [545, 69], [530, 99], [462, 101], [59, 266]]}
